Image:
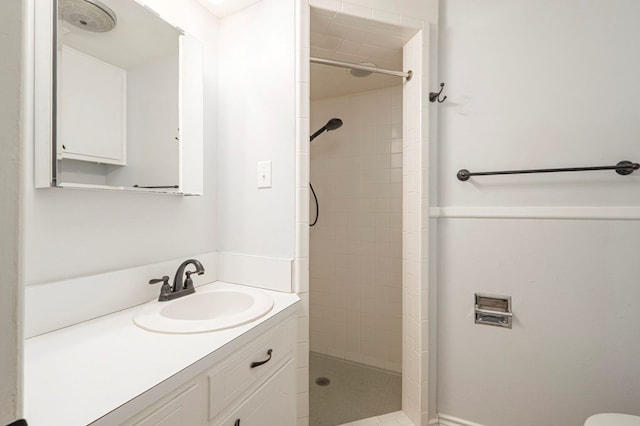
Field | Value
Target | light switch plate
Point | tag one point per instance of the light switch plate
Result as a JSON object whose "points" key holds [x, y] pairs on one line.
{"points": [[264, 174]]}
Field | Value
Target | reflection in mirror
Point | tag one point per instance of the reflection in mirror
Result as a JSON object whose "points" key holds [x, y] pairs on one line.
{"points": [[117, 97]]}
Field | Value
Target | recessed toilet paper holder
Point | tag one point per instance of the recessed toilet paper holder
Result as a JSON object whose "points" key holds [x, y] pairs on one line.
{"points": [[495, 310]]}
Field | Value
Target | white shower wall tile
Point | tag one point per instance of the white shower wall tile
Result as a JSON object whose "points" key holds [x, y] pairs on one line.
{"points": [[302, 355], [302, 207], [302, 379], [412, 22], [414, 276], [328, 5], [387, 17], [355, 248], [303, 403], [302, 242], [302, 141], [303, 305], [303, 329], [302, 107], [300, 272], [301, 275], [302, 174], [303, 26], [303, 67], [355, 10]]}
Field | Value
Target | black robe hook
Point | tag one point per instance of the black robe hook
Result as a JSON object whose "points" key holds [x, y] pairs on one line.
{"points": [[433, 96]]}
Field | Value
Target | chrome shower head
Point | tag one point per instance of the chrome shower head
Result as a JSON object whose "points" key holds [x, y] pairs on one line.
{"points": [[89, 15]]}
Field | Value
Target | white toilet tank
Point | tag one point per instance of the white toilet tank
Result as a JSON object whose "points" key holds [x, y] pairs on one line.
{"points": [[612, 419]]}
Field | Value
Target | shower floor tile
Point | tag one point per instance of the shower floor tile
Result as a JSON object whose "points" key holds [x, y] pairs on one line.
{"points": [[355, 391]]}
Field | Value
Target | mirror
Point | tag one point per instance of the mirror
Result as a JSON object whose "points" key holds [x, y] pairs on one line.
{"points": [[125, 99]]}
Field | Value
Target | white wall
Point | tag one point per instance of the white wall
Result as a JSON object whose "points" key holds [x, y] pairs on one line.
{"points": [[71, 233], [257, 101], [529, 86], [356, 245], [257, 110], [574, 345], [11, 25]]}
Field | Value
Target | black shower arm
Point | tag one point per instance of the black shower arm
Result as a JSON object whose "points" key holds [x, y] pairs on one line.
{"points": [[318, 133]]}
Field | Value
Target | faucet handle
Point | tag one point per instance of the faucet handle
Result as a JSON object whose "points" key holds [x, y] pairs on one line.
{"points": [[188, 283], [164, 280], [189, 273], [165, 290]]}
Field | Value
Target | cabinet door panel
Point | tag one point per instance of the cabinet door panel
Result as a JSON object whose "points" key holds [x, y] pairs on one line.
{"points": [[273, 404], [183, 409], [92, 109]]}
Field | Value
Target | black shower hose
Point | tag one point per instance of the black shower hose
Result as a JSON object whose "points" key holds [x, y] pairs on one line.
{"points": [[316, 200]]}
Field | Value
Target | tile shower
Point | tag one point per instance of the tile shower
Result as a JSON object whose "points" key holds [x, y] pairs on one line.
{"points": [[356, 245]]}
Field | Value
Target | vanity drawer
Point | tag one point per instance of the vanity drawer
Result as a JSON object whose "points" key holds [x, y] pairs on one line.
{"points": [[244, 371], [273, 404]]}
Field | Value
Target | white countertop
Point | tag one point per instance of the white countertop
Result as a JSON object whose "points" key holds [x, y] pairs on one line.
{"points": [[78, 374]]}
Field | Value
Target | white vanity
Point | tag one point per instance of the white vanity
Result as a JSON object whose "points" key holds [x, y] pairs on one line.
{"points": [[121, 107], [108, 371]]}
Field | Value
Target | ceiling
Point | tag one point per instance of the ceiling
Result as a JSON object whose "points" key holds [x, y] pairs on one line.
{"points": [[140, 36], [333, 36], [343, 38], [355, 40], [227, 7]]}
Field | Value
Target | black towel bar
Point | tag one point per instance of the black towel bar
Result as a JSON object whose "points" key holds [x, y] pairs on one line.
{"points": [[622, 168]]}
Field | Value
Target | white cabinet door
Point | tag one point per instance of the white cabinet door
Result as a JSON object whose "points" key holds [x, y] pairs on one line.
{"points": [[273, 404], [183, 408], [92, 109]]}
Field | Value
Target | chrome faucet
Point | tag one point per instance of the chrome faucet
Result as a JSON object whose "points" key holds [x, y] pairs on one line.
{"points": [[180, 288]]}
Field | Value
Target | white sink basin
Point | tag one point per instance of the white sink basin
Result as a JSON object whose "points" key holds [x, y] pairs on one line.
{"points": [[209, 309]]}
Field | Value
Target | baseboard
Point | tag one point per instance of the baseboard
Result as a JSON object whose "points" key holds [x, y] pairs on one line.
{"points": [[446, 420]]}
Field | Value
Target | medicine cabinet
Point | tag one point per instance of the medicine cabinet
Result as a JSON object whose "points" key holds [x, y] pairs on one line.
{"points": [[118, 99]]}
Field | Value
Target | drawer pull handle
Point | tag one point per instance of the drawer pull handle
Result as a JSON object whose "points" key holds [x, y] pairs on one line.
{"points": [[237, 423], [259, 363]]}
